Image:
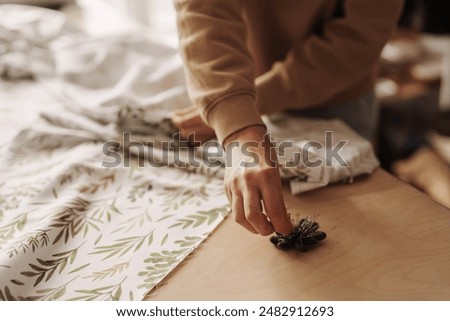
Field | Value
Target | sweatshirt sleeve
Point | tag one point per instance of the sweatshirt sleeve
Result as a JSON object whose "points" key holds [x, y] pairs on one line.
{"points": [[328, 63], [218, 66]]}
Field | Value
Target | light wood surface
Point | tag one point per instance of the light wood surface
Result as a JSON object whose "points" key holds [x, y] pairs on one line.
{"points": [[386, 241]]}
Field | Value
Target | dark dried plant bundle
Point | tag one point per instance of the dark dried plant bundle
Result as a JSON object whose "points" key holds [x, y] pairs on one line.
{"points": [[305, 236]]}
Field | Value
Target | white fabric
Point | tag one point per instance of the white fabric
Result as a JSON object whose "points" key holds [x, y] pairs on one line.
{"points": [[357, 152]]}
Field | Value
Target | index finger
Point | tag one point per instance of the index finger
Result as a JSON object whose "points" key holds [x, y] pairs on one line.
{"points": [[274, 204]]}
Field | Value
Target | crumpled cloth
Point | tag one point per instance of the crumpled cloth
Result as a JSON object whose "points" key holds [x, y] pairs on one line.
{"points": [[25, 34], [129, 83]]}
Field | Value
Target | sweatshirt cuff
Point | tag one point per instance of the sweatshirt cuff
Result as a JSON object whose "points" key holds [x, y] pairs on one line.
{"points": [[233, 114], [272, 91]]}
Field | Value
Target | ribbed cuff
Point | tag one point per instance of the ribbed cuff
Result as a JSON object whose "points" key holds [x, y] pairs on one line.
{"points": [[233, 114]]}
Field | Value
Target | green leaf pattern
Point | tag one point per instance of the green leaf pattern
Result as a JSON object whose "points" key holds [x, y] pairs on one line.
{"points": [[71, 229], [78, 231]]}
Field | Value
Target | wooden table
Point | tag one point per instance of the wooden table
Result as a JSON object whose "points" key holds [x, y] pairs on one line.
{"points": [[386, 241]]}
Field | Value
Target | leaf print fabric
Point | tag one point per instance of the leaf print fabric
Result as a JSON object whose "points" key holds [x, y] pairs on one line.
{"points": [[71, 229], [99, 243]]}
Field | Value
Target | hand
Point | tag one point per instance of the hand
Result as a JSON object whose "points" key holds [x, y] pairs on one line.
{"points": [[192, 126], [247, 185]]}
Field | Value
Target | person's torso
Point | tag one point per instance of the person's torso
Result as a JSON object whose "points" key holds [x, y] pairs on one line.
{"points": [[275, 26]]}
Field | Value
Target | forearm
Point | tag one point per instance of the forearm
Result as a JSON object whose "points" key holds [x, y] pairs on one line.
{"points": [[219, 68], [327, 64]]}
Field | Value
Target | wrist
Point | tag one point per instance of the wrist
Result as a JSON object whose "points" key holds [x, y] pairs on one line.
{"points": [[254, 133]]}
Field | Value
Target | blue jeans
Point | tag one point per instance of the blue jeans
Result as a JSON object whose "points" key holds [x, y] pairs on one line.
{"points": [[361, 114]]}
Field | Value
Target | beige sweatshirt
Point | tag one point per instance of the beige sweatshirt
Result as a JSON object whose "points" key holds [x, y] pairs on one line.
{"points": [[244, 58]]}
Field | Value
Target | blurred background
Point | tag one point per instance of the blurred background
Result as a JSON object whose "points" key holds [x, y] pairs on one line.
{"points": [[413, 86]]}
